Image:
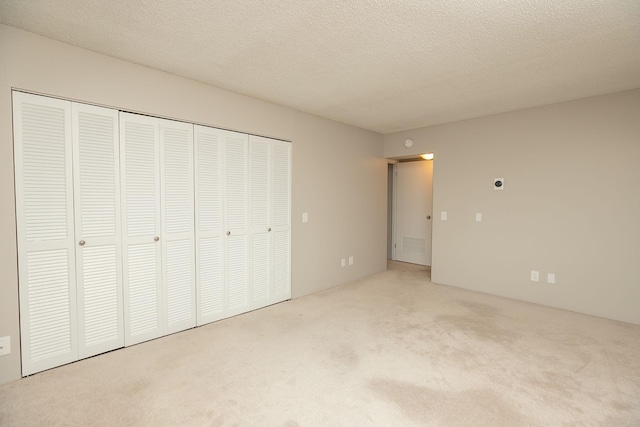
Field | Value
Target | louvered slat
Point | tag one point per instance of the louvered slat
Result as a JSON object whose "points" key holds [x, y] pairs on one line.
{"points": [[260, 180], [50, 307], [282, 184], [260, 270], [236, 182], [179, 282], [101, 289], [141, 178], [143, 290], [237, 280], [282, 265], [208, 181], [210, 283], [178, 179], [45, 151]]}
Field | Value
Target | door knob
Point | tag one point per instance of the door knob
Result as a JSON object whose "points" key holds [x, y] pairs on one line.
{"points": [[428, 216], [81, 242], [269, 229], [228, 233], [156, 238]]}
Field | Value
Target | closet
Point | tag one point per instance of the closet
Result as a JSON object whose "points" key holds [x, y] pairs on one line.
{"points": [[132, 227]]}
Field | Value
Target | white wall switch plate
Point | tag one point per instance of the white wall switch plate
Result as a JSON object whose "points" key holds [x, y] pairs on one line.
{"points": [[535, 275], [443, 216], [551, 278], [478, 217], [350, 260], [305, 217], [343, 262], [5, 345]]}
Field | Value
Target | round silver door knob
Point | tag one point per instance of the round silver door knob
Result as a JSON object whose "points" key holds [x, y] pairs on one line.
{"points": [[156, 238], [81, 242], [228, 233]]}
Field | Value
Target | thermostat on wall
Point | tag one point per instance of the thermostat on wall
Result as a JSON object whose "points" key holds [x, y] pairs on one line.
{"points": [[498, 183]]}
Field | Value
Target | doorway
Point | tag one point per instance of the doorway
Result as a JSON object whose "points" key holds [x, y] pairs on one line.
{"points": [[411, 201]]}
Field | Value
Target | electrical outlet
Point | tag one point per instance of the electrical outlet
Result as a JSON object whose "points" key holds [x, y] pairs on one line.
{"points": [[551, 278], [535, 275], [5, 345], [344, 262], [351, 260]]}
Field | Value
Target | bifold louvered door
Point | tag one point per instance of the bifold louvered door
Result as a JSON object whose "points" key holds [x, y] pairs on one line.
{"points": [[209, 212], [281, 233], [236, 217], [159, 265], [97, 229], [270, 220], [142, 251], [69, 265], [242, 222], [177, 233]]}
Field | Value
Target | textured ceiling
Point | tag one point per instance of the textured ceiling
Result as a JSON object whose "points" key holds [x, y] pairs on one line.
{"points": [[377, 64]]}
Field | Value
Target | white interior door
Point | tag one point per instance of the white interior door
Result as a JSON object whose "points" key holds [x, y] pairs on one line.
{"points": [[210, 261], [261, 220], [413, 212], [177, 240], [45, 231], [97, 229], [270, 170], [140, 176], [281, 220], [237, 222]]}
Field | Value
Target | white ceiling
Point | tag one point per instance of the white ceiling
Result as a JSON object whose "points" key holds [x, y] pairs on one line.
{"points": [[381, 65]]}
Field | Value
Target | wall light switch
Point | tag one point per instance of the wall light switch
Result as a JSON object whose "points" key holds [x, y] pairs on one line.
{"points": [[351, 260], [478, 217], [305, 217], [5, 345], [343, 262], [443, 216], [551, 278], [535, 275]]}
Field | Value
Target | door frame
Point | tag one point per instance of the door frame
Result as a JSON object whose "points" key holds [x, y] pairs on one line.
{"points": [[394, 205]]}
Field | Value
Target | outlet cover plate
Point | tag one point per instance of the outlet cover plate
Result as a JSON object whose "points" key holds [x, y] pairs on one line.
{"points": [[5, 345]]}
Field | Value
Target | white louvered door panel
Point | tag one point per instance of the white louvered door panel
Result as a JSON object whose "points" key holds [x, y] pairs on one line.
{"points": [[97, 229], [236, 219], [210, 283], [281, 220], [261, 220], [178, 258], [141, 223], [44, 213]]}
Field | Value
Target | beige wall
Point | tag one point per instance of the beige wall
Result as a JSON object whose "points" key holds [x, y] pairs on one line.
{"points": [[570, 205], [339, 175]]}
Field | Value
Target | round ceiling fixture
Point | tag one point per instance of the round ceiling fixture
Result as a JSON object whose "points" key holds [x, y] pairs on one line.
{"points": [[408, 143]]}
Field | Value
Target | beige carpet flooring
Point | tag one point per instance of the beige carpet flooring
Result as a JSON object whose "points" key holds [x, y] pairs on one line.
{"points": [[390, 350]]}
